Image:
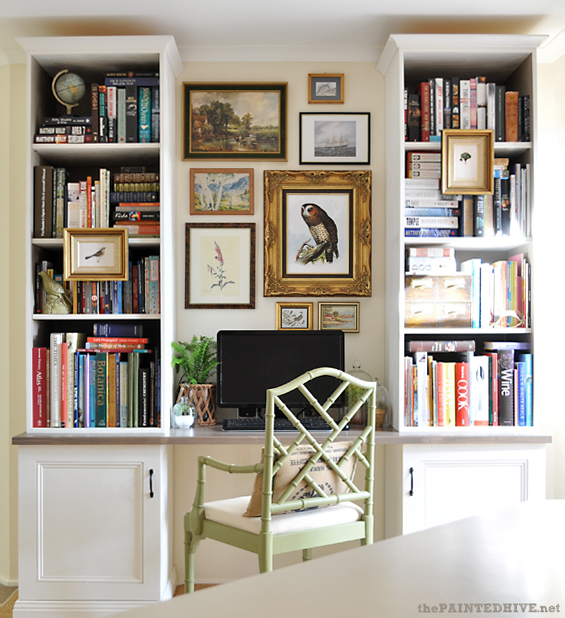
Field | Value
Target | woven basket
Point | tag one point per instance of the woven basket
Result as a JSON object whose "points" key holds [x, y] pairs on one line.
{"points": [[203, 398]]}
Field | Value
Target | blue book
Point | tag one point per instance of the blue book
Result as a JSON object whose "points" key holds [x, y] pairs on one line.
{"points": [[527, 359], [110, 329], [521, 394], [144, 94]]}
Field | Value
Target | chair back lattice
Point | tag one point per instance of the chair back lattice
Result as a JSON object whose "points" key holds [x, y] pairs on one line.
{"points": [[361, 449]]}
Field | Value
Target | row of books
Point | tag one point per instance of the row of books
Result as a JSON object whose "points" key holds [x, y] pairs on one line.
{"points": [[130, 199], [428, 213], [125, 109], [472, 103], [449, 384], [87, 382], [141, 293], [483, 294]]}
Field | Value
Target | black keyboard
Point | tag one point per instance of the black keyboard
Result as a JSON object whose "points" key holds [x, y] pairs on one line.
{"points": [[314, 423]]}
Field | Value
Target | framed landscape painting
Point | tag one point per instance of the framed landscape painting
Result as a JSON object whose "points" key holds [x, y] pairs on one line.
{"points": [[339, 316], [317, 229], [329, 138], [220, 266], [221, 191], [234, 121]]}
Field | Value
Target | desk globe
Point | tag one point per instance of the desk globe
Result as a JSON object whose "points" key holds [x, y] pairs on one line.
{"points": [[68, 89]]}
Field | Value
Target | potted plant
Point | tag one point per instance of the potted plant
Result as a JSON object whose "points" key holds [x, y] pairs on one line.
{"points": [[196, 360]]}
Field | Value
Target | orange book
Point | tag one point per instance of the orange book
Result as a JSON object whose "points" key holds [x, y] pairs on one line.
{"points": [[511, 115]]}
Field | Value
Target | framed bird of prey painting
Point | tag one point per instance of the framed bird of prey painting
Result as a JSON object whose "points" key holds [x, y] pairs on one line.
{"points": [[317, 233], [95, 254]]}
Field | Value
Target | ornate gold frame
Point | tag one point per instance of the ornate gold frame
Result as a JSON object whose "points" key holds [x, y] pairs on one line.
{"points": [[357, 281], [74, 269]]}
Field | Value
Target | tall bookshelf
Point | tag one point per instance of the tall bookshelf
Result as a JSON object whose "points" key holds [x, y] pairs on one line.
{"points": [[111, 486], [406, 61], [91, 58]]}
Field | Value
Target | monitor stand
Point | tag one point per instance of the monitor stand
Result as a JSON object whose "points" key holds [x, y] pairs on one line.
{"points": [[248, 412]]}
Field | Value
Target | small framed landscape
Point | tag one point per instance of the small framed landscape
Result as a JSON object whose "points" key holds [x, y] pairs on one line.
{"points": [[325, 88], [95, 255], [339, 316], [295, 316], [234, 121], [220, 266], [328, 138], [221, 191], [467, 161]]}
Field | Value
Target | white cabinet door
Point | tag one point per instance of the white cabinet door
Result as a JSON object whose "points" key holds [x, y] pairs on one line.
{"points": [[94, 524], [436, 484]]}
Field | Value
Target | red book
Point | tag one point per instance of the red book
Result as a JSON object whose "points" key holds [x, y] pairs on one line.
{"points": [[39, 387], [117, 340], [424, 92], [462, 394]]}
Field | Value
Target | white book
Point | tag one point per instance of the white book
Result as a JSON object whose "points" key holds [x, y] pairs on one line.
{"points": [[427, 183], [421, 403], [479, 377], [439, 105], [486, 295], [429, 222], [465, 103], [55, 342], [491, 105]]}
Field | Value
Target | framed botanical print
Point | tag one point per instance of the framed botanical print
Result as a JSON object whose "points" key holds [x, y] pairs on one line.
{"points": [[221, 191], [220, 266], [317, 233], [467, 161], [234, 121]]}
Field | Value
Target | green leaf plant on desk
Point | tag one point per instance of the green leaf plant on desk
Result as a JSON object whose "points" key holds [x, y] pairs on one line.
{"points": [[196, 361]]}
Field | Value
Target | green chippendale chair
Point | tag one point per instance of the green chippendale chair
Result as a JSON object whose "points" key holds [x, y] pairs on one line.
{"points": [[293, 483]]}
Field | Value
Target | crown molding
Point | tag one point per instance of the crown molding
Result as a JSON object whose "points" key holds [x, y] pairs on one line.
{"points": [[553, 49]]}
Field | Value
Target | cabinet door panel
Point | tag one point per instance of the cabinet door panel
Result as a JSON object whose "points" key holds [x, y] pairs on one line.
{"points": [[95, 510]]}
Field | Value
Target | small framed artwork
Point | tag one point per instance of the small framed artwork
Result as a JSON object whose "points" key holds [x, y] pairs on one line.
{"points": [[325, 88], [467, 161], [295, 316], [222, 191], [95, 254], [317, 227], [327, 138], [220, 266], [339, 316], [234, 121]]}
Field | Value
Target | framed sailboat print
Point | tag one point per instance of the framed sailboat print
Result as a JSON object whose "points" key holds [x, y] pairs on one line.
{"points": [[328, 138]]}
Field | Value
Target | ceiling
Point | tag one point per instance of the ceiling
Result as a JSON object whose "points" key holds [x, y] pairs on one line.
{"points": [[239, 30]]}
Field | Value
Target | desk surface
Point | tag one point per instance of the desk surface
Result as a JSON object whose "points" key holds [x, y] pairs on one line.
{"points": [[514, 556], [215, 435]]}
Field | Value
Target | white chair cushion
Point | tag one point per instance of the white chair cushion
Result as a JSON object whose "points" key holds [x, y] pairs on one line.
{"points": [[230, 512]]}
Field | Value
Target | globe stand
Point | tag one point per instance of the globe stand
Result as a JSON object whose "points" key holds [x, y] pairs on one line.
{"points": [[69, 106]]}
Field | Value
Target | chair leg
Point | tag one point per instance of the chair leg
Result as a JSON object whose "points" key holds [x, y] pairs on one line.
{"points": [[190, 546], [266, 554], [306, 554]]}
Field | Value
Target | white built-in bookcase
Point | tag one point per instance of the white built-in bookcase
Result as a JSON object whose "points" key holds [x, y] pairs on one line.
{"points": [[407, 60], [91, 58]]}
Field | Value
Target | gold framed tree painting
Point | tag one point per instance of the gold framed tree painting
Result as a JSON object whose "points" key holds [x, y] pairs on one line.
{"points": [[317, 227]]}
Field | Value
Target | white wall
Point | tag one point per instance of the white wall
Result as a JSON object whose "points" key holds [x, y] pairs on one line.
{"points": [[363, 93]]}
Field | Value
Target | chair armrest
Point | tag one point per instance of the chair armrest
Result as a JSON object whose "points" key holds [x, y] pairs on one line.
{"points": [[204, 460]]}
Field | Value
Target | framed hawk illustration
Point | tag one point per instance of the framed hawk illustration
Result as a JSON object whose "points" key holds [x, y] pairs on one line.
{"points": [[317, 233]]}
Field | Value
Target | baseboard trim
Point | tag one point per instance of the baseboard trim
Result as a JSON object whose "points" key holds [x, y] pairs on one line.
{"points": [[73, 609]]}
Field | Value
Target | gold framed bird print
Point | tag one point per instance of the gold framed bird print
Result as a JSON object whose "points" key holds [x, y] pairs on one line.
{"points": [[95, 254], [317, 227]]}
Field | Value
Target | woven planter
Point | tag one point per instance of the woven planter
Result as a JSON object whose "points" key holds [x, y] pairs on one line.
{"points": [[203, 398]]}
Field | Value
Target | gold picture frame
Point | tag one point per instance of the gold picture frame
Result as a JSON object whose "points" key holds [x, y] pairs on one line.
{"points": [[295, 263], [295, 316], [325, 87], [467, 161], [339, 316], [95, 254]]}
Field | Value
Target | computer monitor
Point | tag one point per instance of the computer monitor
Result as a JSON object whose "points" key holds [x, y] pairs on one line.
{"points": [[251, 361]]}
